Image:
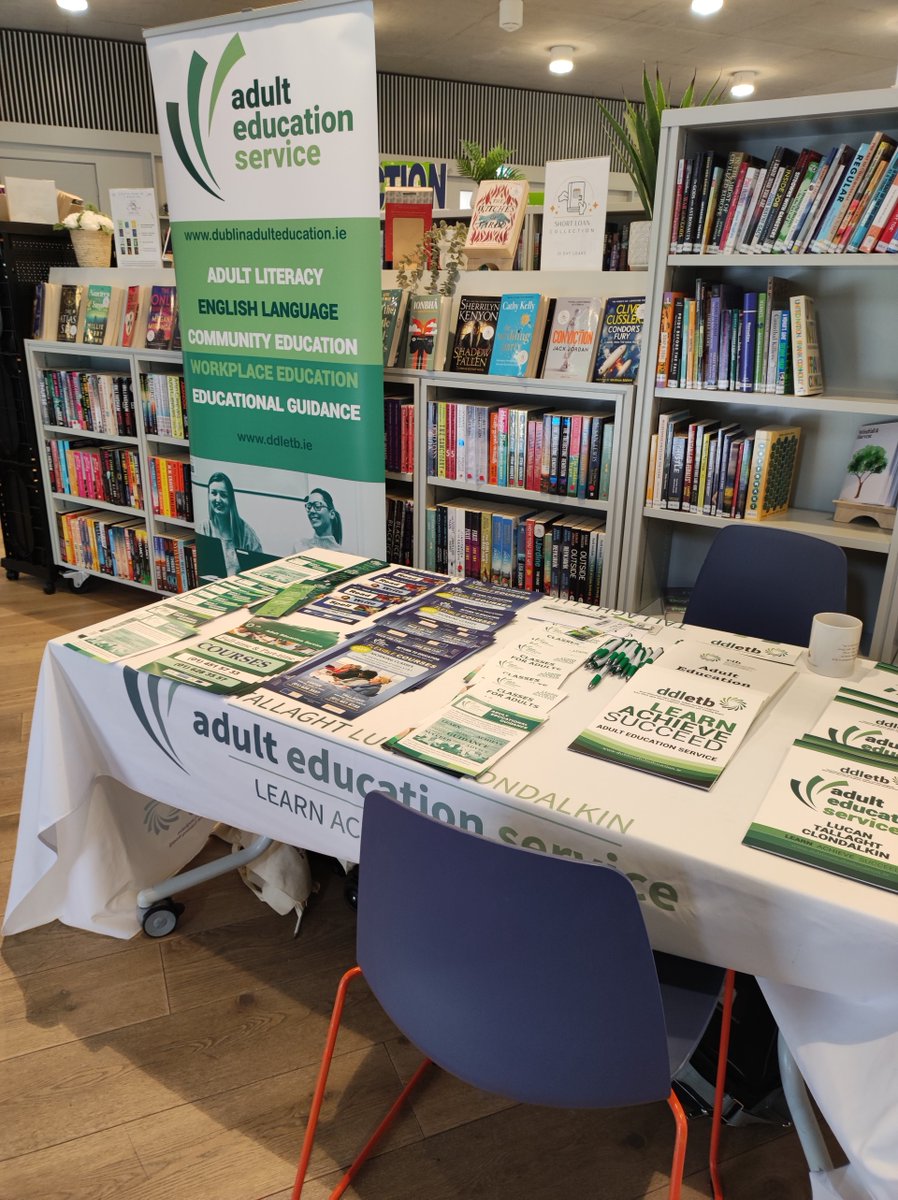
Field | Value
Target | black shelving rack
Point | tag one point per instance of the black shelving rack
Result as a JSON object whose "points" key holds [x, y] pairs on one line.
{"points": [[27, 252]]}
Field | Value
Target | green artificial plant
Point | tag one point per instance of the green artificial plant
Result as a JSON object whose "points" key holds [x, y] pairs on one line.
{"points": [[477, 164], [639, 137]]}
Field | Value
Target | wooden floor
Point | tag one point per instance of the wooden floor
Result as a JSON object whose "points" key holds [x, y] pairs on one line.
{"points": [[181, 1069]]}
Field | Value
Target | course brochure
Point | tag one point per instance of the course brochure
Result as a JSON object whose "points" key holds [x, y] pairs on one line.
{"points": [[684, 716], [832, 811], [149, 628], [474, 730], [542, 659], [373, 595], [298, 594], [781, 652]]}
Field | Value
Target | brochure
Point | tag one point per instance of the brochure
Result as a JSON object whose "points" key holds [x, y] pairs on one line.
{"points": [[683, 717], [299, 594], [755, 647], [831, 811], [355, 602], [149, 629], [859, 723], [543, 659]]}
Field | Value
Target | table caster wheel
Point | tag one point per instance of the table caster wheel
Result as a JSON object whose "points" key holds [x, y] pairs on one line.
{"points": [[161, 919], [49, 589], [12, 575]]}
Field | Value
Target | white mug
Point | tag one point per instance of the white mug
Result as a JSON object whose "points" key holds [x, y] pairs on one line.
{"points": [[835, 638]]}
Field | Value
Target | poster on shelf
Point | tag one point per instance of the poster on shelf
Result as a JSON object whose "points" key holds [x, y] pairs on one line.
{"points": [[268, 121], [135, 227], [574, 208]]}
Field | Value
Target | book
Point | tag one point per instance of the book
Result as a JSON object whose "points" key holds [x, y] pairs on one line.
{"points": [[806, 363], [134, 316], [428, 332], [572, 339], [161, 317], [45, 317], [497, 217], [519, 334], [70, 296], [772, 471], [475, 331], [394, 302], [620, 338], [101, 314], [871, 473]]}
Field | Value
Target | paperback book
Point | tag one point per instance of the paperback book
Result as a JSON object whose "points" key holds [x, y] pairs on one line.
{"points": [[475, 333], [871, 473], [519, 334], [428, 332], [394, 302], [571, 344], [620, 341]]}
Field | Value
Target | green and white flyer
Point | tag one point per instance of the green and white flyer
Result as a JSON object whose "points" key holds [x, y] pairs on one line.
{"points": [[833, 811], [268, 121]]}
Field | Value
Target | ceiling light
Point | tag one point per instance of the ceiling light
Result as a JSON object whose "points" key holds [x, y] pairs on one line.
{"points": [[562, 61], [511, 15], [743, 84], [705, 8], [73, 6]]}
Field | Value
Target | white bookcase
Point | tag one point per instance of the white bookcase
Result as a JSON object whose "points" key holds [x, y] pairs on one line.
{"points": [[857, 302], [42, 355]]}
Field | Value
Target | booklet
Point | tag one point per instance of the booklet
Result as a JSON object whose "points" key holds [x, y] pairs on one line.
{"points": [[684, 716], [298, 595], [829, 810], [150, 628]]}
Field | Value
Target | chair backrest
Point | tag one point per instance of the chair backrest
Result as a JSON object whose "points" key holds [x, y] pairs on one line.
{"points": [[521, 973], [768, 583]]}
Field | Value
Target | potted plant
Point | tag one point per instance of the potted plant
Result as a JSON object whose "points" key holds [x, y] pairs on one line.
{"points": [[441, 250], [638, 139], [91, 234], [478, 164]]}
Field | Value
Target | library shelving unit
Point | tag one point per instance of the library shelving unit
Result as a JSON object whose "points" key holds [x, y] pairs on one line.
{"points": [[431, 387], [131, 363], [855, 297]]}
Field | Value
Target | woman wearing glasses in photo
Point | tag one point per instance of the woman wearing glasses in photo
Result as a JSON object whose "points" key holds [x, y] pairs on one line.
{"points": [[226, 524], [327, 528]]}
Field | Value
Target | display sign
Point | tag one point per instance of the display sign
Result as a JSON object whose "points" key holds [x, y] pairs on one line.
{"points": [[136, 227], [574, 205], [268, 123]]}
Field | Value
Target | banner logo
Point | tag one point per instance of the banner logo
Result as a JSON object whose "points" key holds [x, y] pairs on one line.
{"points": [[809, 791], [232, 54], [158, 818], [153, 721]]}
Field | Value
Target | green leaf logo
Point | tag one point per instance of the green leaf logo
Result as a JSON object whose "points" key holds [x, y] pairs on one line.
{"points": [[232, 54], [149, 710], [812, 790], [732, 703]]}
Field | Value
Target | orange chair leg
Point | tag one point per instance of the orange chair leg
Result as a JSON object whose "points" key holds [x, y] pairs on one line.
{"points": [[318, 1094], [679, 1155], [720, 1085]]}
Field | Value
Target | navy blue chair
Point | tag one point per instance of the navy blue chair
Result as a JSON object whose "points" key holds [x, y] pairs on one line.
{"points": [[768, 583], [524, 974]]}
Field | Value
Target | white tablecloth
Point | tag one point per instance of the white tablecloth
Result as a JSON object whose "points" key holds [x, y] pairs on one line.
{"points": [[120, 758]]}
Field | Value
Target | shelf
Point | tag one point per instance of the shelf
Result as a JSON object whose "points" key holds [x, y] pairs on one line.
{"points": [[159, 518], [68, 431], [798, 520], [862, 405], [865, 262], [399, 476], [89, 502], [168, 441], [144, 587], [544, 499]]}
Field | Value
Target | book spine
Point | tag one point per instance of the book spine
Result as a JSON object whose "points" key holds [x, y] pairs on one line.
{"points": [[678, 205], [746, 370]]}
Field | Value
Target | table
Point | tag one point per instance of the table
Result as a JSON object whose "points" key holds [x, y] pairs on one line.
{"points": [[126, 771]]}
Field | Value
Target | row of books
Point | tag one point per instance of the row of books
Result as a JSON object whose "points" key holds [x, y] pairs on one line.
{"points": [[164, 401], [616, 250], [540, 551], [578, 339], [399, 434], [112, 546], [170, 486], [174, 562], [560, 453], [719, 468], [400, 529], [729, 338], [94, 472], [97, 401], [801, 201], [100, 314]]}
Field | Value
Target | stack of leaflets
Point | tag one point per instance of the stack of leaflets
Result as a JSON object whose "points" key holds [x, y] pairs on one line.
{"points": [[834, 801], [684, 716], [508, 698]]}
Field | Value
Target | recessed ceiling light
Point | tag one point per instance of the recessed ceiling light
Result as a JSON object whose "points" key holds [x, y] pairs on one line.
{"points": [[562, 61], [73, 6], [743, 84], [705, 8]]}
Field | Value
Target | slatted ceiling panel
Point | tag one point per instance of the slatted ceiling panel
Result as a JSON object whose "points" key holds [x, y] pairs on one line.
{"points": [[427, 118], [80, 82], [94, 83]]}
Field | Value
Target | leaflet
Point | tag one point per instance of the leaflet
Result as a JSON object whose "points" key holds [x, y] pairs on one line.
{"points": [[360, 675], [861, 725], [609, 621], [286, 571], [543, 659], [299, 594], [235, 662], [781, 652], [468, 735], [670, 725], [149, 629], [831, 811], [709, 660]]}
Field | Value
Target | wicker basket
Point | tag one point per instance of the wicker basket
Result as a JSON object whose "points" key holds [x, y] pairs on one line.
{"points": [[92, 248]]}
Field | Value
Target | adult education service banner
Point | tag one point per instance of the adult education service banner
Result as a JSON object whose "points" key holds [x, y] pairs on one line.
{"points": [[268, 123]]}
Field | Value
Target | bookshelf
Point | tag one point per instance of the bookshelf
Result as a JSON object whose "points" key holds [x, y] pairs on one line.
{"points": [[855, 302], [135, 450]]}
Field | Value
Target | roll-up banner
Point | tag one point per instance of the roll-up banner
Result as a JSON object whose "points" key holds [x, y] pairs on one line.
{"points": [[268, 122]]}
